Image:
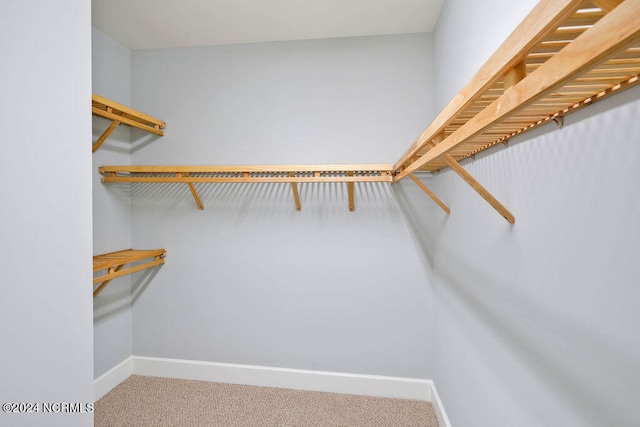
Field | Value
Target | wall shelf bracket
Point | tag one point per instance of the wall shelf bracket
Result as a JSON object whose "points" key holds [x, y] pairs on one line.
{"points": [[430, 193], [294, 189], [351, 192], [121, 114], [455, 166], [559, 121], [193, 190]]}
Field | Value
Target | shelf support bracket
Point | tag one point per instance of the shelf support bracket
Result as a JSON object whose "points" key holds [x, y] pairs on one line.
{"points": [[105, 135], [106, 282], [194, 192], [480, 189], [294, 188], [455, 166], [430, 193], [514, 75], [559, 121], [350, 190]]}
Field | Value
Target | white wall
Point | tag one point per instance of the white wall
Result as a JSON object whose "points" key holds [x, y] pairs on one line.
{"points": [[111, 74], [466, 35], [45, 226], [351, 100], [249, 280], [536, 323]]}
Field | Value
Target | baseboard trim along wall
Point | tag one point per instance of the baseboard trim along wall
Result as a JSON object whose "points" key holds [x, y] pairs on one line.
{"points": [[114, 376], [298, 379], [438, 407]]}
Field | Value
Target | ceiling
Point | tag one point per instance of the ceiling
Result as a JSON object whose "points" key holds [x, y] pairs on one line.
{"points": [[145, 24]]}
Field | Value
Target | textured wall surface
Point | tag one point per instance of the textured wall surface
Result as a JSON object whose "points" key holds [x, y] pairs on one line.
{"points": [[536, 322], [111, 66], [45, 209], [250, 280]]}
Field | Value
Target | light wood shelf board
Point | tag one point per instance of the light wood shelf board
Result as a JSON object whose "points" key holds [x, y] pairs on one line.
{"points": [[575, 91], [543, 20], [121, 114], [114, 263]]}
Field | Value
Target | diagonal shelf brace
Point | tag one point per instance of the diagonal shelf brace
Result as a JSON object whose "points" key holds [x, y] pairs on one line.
{"points": [[430, 193], [350, 190], [479, 188], [121, 114], [105, 135], [294, 188], [455, 166], [194, 192], [106, 282]]}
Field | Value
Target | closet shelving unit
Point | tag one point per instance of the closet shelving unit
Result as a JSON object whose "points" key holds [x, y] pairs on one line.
{"points": [[113, 264], [121, 114], [292, 174], [565, 55]]}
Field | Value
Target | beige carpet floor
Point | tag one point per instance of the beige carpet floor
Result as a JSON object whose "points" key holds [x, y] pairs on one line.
{"points": [[152, 401]]}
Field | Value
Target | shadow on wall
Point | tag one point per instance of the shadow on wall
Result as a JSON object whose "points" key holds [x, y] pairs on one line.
{"points": [[119, 295], [140, 139], [566, 355], [423, 217], [114, 299], [512, 291], [244, 201], [576, 365], [142, 280], [119, 140]]}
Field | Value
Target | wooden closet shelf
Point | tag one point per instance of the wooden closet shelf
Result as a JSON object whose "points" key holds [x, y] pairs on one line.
{"points": [[114, 263], [121, 114], [565, 55], [249, 173], [292, 174]]}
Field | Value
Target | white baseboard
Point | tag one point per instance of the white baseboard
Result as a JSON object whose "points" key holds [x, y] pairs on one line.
{"points": [[297, 379], [441, 415], [114, 376]]}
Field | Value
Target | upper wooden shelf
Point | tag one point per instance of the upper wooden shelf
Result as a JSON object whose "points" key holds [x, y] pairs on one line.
{"points": [[249, 173], [121, 114], [114, 263], [565, 55], [292, 174]]}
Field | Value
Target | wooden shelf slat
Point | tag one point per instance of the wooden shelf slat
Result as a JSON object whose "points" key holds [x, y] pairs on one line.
{"points": [[114, 263], [249, 173], [292, 174], [121, 114], [102, 103], [579, 57], [565, 55], [543, 20], [249, 168]]}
